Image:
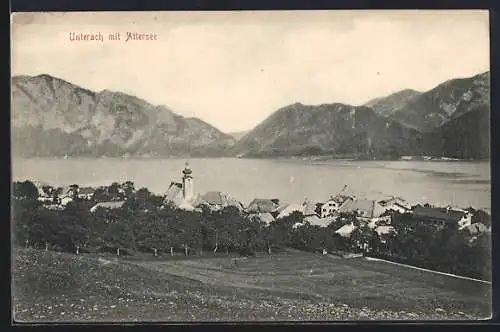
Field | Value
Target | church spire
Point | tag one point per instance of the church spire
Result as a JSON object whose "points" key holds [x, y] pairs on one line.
{"points": [[187, 183], [187, 171]]}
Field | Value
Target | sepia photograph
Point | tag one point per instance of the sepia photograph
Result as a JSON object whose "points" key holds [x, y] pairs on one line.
{"points": [[250, 166]]}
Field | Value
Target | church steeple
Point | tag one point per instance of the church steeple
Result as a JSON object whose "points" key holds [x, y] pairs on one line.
{"points": [[187, 171], [187, 183]]}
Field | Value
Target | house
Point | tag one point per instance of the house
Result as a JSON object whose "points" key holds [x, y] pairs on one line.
{"points": [[265, 217], [315, 220], [333, 204], [288, 209], [216, 200], [477, 228], [65, 199], [310, 214], [366, 210], [466, 216], [86, 193], [43, 197], [396, 204], [262, 205], [309, 208], [346, 230], [107, 205], [438, 216]]}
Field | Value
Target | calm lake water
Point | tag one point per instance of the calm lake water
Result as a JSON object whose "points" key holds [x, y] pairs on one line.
{"points": [[459, 183]]}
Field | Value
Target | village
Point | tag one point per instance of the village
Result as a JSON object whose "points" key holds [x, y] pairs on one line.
{"points": [[376, 214]]}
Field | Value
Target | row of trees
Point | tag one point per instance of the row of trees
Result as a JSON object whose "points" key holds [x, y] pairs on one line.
{"points": [[144, 224]]}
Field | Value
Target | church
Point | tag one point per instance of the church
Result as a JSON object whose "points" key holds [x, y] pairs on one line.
{"points": [[182, 195]]}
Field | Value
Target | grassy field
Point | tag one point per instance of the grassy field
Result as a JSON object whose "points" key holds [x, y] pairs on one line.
{"points": [[290, 286]]}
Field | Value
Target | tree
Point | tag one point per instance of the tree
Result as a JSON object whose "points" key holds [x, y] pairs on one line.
{"points": [[114, 190], [56, 194], [48, 190], [23, 212], [74, 191], [101, 195], [128, 189], [74, 228], [119, 235], [25, 190], [482, 217], [280, 230]]}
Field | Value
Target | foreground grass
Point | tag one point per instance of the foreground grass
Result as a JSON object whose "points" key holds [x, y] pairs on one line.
{"points": [[50, 286]]}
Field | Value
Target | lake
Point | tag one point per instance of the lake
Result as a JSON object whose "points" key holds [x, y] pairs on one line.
{"points": [[437, 182]]}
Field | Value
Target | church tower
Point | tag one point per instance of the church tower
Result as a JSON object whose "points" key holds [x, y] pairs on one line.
{"points": [[187, 183]]}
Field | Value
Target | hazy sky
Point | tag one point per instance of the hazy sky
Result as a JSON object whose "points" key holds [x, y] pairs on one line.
{"points": [[232, 69]]}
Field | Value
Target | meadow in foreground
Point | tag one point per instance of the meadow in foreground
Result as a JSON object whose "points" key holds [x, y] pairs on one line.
{"points": [[289, 286]]}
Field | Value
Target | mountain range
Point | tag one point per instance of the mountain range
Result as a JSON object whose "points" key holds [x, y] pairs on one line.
{"points": [[51, 117], [450, 120]]}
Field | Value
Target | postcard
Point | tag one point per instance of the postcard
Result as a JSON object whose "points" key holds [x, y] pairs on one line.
{"points": [[262, 166]]}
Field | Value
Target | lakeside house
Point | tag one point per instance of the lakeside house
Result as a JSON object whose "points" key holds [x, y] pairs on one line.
{"points": [[477, 228], [264, 217], [287, 209], [346, 230], [264, 209], [262, 205], [86, 193], [438, 216], [365, 209], [216, 200], [321, 222], [466, 216], [331, 206], [310, 214], [396, 204]]}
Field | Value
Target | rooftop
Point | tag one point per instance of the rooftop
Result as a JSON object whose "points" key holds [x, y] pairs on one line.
{"points": [[262, 205], [108, 205], [365, 207], [437, 214]]}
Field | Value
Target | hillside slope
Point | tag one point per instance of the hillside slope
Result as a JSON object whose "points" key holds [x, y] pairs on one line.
{"points": [[435, 122], [445, 102], [335, 129], [52, 117], [464, 137], [387, 105]]}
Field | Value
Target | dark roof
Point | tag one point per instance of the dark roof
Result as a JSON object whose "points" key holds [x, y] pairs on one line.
{"points": [[437, 214]]}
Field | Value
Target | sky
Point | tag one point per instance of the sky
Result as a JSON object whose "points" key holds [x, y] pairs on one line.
{"points": [[233, 69]]}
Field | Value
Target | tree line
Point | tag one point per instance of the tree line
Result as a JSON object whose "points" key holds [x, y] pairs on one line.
{"points": [[144, 223]]}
